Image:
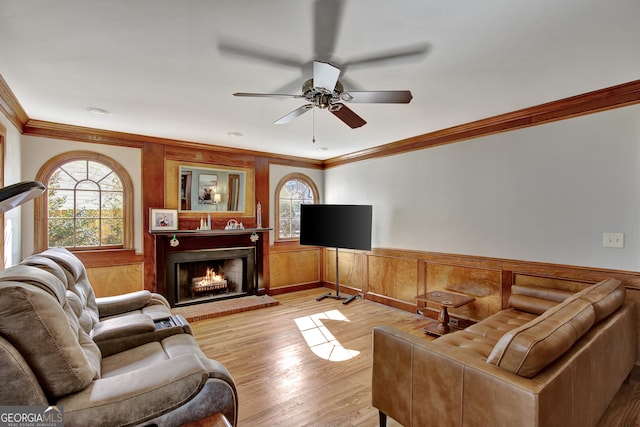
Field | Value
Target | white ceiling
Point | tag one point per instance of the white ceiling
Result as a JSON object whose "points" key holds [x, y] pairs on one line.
{"points": [[157, 65]]}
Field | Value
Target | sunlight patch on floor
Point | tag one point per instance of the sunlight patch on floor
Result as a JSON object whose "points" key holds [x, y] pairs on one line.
{"points": [[320, 340]]}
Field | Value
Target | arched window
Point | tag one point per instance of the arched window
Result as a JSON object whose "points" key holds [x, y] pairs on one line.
{"points": [[292, 191], [87, 203]]}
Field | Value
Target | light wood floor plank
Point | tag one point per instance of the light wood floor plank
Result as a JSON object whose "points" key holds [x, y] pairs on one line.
{"points": [[281, 382]]}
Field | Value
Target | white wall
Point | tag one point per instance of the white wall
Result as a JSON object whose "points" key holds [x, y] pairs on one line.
{"points": [[12, 175], [545, 193], [36, 151], [276, 173]]}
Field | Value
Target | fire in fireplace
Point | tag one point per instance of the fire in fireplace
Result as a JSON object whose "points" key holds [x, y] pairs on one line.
{"points": [[205, 275], [209, 282]]}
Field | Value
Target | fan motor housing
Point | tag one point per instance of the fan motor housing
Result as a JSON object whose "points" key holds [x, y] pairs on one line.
{"points": [[320, 97]]}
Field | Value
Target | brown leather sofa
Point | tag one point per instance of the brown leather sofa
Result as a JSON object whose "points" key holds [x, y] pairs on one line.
{"points": [[551, 359], [56, 349]]}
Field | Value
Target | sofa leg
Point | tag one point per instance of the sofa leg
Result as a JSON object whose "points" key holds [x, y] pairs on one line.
{"points": [[383, 419]]}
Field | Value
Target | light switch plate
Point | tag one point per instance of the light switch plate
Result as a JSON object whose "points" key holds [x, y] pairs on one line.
{"points": [[613, 240]]}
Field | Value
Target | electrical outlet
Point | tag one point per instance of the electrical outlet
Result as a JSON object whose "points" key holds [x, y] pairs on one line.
{"points": [[454, 322], [613, 240]]}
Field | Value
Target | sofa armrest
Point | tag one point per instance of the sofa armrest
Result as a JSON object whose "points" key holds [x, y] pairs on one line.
{"points": [[123, 326], [121, 333], [111, 306], [150, 392]]}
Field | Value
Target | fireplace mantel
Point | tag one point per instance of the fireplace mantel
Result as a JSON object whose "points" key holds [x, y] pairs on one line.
{"points": [[209, 233]]}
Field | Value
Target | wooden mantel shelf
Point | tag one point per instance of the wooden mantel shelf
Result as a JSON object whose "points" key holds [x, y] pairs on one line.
{"points": [[209, 233]]}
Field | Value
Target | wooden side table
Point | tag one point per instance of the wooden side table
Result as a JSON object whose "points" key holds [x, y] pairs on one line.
{"points": [[445, 299]]}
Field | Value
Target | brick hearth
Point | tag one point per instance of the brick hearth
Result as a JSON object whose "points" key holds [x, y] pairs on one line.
{"points": [[224, 307]]}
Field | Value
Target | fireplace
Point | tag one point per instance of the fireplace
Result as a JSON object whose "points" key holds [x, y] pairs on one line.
{"points": [[204, 275]]}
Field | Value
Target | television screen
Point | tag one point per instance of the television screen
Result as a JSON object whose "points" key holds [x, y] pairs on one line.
{"points": [[336, 226]]}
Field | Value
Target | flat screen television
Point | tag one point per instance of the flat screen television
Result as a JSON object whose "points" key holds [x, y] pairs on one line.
{"points": [[336, 226]]}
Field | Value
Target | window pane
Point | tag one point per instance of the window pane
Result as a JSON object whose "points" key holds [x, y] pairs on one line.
{"points": [[285, 208], [60, 232], [111, 183], [87, 204], [97, 171], [285, 193], [285, 229], [77, 169], [87, 185], [112, 205], [61, 179], [295, 228], [112, 232], [87, 232], [60, 203]]}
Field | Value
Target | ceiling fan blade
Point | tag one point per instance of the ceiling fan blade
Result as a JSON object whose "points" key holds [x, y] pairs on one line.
{"points": [[292, 115], [381, 96], [347, 115], [325, 76], [259, 53], [410, 52], [326, 21], [266, 95]]}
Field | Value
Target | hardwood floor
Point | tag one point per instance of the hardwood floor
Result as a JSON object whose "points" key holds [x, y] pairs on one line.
{"points": [[282, 381]]}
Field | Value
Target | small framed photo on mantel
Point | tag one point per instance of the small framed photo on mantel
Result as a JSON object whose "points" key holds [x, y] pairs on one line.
{"points": [[163, 219]]}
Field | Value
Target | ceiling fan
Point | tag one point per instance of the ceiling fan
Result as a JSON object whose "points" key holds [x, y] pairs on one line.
{"points": [[325, 91]]}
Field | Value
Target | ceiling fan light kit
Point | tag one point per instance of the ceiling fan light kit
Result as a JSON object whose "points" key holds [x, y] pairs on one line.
{"points": [[325, 91]]}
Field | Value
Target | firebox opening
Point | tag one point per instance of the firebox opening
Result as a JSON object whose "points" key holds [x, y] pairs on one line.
{"points": [[203, 276]]}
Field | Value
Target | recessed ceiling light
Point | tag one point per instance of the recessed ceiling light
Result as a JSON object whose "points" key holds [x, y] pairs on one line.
{"points": [[322, 149], [234, 134], [96, 110]]}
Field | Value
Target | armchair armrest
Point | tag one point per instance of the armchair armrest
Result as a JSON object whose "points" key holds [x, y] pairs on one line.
{"points": [[111, 306]]}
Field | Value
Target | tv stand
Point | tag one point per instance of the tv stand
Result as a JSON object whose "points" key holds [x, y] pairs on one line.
{"points": [[347, 299]]}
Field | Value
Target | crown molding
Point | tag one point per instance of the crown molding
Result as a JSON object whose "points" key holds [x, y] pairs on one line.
{"points": [[101, 136], [592, 102], [10, 106]]}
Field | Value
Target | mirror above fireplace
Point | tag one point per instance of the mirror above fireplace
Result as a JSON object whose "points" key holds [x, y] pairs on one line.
{"points": [[196, 188], [209, 189]]}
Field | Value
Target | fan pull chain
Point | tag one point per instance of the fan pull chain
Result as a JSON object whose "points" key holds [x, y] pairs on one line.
{"points": [[313, 125]]}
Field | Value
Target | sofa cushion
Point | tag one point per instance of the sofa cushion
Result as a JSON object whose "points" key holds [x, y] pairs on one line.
{"points": [[606, 297], [528, 349]]}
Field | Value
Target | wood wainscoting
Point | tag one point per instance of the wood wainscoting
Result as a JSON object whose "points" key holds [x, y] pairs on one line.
{"points": [[113, 272], [116, 280], [395, 277], [294, 267]]}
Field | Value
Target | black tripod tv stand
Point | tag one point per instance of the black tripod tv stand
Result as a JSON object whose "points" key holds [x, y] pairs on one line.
{"points": [[347, 298], [336, 226]]}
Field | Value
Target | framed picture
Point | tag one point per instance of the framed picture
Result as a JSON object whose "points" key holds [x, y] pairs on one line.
{"points": [[163, 219]]}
